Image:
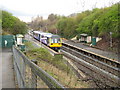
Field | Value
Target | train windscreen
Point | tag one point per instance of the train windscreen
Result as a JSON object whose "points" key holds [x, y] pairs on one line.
{"points": [[55, 40]]}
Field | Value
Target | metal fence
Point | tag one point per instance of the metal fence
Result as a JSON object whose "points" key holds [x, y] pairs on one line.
{"points": [[29, 75]]}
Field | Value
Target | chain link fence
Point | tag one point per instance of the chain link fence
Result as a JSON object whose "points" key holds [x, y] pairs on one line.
{"points": [[29, 75]]}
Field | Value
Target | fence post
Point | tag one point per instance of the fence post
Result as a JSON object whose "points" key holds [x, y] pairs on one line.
{"points": [[34, 77]]}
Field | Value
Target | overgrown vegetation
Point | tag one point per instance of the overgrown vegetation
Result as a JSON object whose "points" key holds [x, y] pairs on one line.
{"points": [[43, 54], [11, 24], [55, 66]]}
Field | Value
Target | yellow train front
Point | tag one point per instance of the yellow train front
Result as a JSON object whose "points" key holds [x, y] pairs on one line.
{"points": [[54, 42]]}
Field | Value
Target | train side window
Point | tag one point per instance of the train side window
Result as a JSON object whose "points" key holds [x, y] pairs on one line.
{"points": [[52, 41], [42, 36], [47, 40]]}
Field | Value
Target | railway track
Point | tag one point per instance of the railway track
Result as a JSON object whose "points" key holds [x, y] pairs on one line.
{"points": [[103, 71]]}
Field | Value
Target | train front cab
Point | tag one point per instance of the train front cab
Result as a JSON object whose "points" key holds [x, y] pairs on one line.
{"points": [[55, 43]]}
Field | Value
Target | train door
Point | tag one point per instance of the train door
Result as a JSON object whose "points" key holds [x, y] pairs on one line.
{"points": [[39, 37]]}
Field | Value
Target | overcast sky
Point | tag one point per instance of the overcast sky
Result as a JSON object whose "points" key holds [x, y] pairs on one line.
{"points": [[26, 9]]}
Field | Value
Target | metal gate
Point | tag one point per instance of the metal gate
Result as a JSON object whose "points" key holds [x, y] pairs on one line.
{"points": [[7, 41]]}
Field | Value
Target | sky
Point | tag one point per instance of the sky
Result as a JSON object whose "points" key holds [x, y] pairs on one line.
{"points": [[26, 9]]}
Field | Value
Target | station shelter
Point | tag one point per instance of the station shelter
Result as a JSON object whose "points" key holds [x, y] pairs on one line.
{"points": [[83, 38]]}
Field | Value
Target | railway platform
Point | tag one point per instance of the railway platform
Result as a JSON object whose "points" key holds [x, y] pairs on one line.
{"points": [[7, 76], [110, 55]]}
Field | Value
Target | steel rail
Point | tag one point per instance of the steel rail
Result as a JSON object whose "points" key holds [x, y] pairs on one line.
{"points": [[109, 71], [94, 55]]}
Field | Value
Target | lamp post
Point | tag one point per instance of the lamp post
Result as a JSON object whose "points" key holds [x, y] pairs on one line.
{"points": [[110, 39]]}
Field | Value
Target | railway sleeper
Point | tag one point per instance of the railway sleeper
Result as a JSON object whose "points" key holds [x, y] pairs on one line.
{"points": [[95, 62], [109, 76], [97, 78], [102, 78]]}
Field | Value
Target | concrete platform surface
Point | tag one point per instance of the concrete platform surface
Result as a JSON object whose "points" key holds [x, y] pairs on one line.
{"points": [[110, 55], [8, 80]]}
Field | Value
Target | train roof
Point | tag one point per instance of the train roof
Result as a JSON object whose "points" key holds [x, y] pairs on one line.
{"points": [[39, 32], [47, 34], [42, 33], [55, 36]]}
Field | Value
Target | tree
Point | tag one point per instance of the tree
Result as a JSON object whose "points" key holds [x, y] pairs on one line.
{"points": [[52, 17], [66, 27], [109, 22], [12, 24]]}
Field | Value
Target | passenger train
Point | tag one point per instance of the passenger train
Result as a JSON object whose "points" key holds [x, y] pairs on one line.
{"points": [[51, 40]]}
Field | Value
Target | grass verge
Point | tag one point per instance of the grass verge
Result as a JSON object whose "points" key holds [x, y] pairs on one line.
{"points": [[55, 66]]}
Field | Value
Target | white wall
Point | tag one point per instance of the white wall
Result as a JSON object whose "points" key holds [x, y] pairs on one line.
{"points": [[88, 39], [19, 41]]}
